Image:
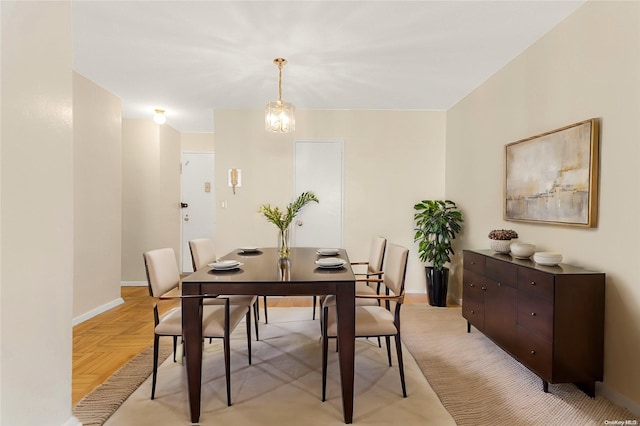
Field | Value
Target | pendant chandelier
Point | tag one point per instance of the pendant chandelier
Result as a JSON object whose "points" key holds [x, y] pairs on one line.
{"points": [[159, 117], [279, 115]]}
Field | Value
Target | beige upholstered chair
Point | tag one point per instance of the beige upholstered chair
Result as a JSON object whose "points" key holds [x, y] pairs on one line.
{"points": [[376, 320], [203, 253], [373, 266], [372, 274], [218, 320]]}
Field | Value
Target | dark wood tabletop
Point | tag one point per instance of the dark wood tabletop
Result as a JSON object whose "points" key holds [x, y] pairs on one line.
{"points": [[263, 273]]}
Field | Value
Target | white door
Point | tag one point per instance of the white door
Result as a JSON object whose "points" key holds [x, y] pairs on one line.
{"points": [[319, 168], [198, 203]]}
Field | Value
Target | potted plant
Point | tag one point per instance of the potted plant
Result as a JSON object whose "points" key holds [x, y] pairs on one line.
{"points": [[283, 218], [500, 240], [437, 223]]}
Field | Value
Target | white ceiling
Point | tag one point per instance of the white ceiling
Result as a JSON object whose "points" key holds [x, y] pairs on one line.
{"points": [[190, 57]]}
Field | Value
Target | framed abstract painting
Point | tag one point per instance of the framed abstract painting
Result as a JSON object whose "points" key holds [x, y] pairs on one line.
{"points": [[553, 177]]}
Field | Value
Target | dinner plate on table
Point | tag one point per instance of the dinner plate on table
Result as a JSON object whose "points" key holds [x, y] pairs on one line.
{"points": [[248, 250], [225, 265], [331, 262], [327, 251]]}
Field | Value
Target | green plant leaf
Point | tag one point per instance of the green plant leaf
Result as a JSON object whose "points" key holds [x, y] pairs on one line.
{"points": [[282, 219]]}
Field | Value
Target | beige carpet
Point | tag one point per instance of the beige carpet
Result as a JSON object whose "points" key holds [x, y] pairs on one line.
{"points": [[283, 385], [480, 384]]}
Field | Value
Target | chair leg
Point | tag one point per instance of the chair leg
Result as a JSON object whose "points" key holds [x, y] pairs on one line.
{"points": [[175, 346], [266, 318], [401, 364], [388, 341], [325, 349], [248, 321], [379, 342], [256, 317], [227, 366], [156, 341], [315, 300]]}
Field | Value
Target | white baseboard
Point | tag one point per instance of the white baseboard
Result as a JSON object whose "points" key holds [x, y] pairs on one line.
{"points": [[72, 422], [97, 311], [618, 399], [133, 284]]}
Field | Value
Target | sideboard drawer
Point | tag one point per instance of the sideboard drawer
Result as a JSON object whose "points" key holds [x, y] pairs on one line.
{"points": [[473, 262], [473, 284], [536, 282], [536, 315], [535, 353], [473, 311], [502, 272]]}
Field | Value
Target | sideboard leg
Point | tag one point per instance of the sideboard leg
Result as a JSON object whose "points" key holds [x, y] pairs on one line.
{"points": [[545, 386], [468, 327], [588, 387]]}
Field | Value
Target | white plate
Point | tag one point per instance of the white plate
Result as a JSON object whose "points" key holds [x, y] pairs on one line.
{"points": [[225, 264], [327, 251], [330, 262], [330, 266], [546, 262], [248, 249], [547, 258]]}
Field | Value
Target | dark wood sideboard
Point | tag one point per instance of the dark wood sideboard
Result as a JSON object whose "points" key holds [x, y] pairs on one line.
{"points": [[549, 318]]}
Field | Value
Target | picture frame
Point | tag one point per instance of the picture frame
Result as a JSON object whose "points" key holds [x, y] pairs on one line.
{"points": [[552, 178]]}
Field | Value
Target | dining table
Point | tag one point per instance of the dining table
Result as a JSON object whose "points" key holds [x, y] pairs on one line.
{"points": [[262, 272]]}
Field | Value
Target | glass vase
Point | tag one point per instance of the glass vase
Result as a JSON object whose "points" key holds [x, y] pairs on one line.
{"points": [[283, 244]]}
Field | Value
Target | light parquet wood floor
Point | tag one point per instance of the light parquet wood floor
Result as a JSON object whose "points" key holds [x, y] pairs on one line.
{"points": [[103, 344]]}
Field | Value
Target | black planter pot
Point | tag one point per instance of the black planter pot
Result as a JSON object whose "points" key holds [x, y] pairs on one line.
{"points": [[437, 285]]}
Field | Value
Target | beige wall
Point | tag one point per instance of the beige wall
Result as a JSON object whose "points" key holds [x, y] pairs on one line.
{"points": [[97, 168], [391, 161], [37, 214], [199, 142], [586, 67], [150, 193]]}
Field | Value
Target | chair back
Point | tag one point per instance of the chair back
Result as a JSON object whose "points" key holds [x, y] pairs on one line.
{"points": [[376, 254], [395, 268], [162, 271], [202, 252]]}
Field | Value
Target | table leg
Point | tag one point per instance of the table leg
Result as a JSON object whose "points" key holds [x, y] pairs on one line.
{"points": [[345, 306], [192, 334]]}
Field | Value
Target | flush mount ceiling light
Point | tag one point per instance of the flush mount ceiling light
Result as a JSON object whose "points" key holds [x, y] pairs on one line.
{"points": [[279, 115], [159, 117]]}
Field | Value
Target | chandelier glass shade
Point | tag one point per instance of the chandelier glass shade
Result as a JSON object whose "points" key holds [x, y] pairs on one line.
{"points": [[279, 116], [159, 117]]}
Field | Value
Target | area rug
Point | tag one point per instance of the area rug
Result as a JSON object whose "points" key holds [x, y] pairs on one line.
{"points": [[95, 408], [480, 384], [283, 385]]}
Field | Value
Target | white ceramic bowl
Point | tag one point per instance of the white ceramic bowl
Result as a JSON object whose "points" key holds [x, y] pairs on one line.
{"points": [[547, 258], [522, 250]]}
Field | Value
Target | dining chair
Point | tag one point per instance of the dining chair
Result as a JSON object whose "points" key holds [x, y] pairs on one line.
{"points": [[374, 320], [218, 319], [373, 269], [373, 266], [203, 253]]}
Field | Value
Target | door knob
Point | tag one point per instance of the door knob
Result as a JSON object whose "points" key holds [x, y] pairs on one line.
{"points": [[186, 218], [298, 222]]}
